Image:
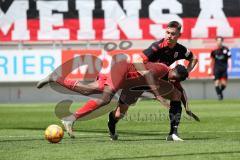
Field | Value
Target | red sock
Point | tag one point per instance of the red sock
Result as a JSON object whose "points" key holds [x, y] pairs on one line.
{"points": [[68, 83], [90, 106]]}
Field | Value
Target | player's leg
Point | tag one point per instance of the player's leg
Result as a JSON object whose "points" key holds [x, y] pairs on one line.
{"points": [[217, 84], [87, 108], [50, 78], [79, 87], [130, 96], [120, 111], [126, 99], [175, 112], [92, 105], [114, 117], [223, 81], [71, 84], [111, 84], [114, 80]]}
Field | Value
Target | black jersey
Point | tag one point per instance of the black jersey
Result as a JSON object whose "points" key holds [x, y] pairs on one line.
{"points": [[160, 52], [220, 57]]}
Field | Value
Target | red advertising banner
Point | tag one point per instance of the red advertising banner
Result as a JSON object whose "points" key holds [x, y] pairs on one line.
{"points": [[81, 64], [87, 64], [204, 61], [35, 64]]}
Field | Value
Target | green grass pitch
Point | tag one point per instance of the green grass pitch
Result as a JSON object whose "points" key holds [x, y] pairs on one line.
{"points": [[141, 134]]}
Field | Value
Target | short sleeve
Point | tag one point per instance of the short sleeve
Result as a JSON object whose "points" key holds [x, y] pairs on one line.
{"points": [[184, 53], [228, 53], [188, 54], [151, 50]]}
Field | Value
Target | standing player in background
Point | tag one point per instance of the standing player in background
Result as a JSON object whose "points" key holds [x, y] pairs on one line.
{"points": [[219, 66], [166, 51]]}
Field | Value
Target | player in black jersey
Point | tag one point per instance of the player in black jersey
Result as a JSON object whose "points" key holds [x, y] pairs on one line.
{"points": [[166, 51], [219, 64]]}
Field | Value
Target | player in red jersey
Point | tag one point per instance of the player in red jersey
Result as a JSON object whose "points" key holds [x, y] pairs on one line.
{"points": [[167, 51], [122, 75]]}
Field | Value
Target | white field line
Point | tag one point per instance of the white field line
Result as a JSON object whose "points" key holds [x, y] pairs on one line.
{"points": [[101, 134]]}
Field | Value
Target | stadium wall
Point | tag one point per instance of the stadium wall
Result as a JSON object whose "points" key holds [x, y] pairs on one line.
{"points": [[28, 93]]}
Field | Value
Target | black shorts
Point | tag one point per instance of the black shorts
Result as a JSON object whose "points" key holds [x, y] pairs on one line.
{"points": [[129, 96], [220, 73]]}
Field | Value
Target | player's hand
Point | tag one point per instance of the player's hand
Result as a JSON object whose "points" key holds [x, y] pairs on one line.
{"points": [[163, 101], [194, 116]]}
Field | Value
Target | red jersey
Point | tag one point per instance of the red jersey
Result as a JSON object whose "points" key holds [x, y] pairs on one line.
{"points": [[124, 74]]}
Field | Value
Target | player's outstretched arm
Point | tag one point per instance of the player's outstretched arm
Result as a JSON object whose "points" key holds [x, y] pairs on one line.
{"points": [[185, 104], [192, 63], [184, 99]]}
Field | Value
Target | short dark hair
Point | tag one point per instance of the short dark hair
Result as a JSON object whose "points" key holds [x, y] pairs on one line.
{"points": [[220, 38], [182, 71], [175, 24]]}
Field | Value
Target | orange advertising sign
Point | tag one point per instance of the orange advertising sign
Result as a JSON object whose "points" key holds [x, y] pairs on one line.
{"points": [[87, 64]]}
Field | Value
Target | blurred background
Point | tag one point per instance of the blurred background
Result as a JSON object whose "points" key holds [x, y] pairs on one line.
{"points": [[38, 36]]}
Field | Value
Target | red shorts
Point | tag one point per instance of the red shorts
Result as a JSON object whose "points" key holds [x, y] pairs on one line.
{"points": [[102, 81], [116, 78]]}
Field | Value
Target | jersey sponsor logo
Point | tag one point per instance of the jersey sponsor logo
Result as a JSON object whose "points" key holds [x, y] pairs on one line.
{"points": [[187, 53], [219, 57], [154, 48], [175, 54]]}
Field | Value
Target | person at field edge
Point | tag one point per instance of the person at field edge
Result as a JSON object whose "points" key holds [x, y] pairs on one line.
{"points": [[219, 66], [167, 51]]}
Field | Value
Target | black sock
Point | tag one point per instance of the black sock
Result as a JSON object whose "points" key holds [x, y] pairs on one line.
{"points": [[175, 116], [112, 119], [218, 90], [222, 87], [112, 123]]}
